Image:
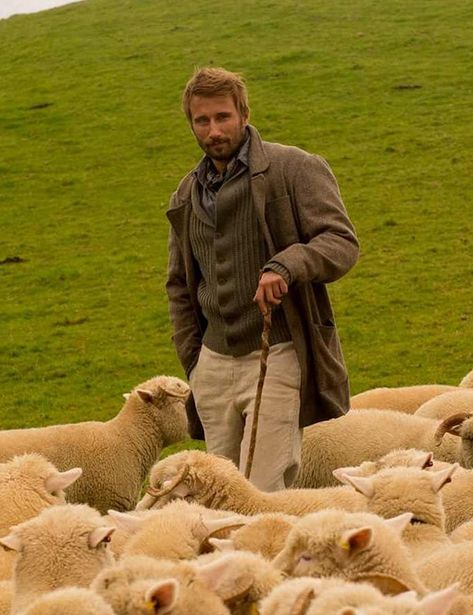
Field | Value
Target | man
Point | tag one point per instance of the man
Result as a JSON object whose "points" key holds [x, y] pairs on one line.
{"points": [[255, 225]]}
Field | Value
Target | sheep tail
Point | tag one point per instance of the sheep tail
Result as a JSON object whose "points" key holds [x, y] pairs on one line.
{"points": [[259, 389]]}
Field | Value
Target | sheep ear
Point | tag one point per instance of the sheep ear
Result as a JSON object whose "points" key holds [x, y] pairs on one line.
{"points": [[181, 490], [230, 523], [147, 396], [338, 473], [386, 584], [225, 579], [125, 521], [222, 544], [162, 597], [399, 523], [62, 480], [174, 390], [363, 484], [424, 460], [126, 395], [12, 542], [349, 610], [99, 535], [443, 477], [439, 603], [357, 540]]}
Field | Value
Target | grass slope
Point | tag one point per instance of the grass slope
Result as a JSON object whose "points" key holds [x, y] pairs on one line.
{"points": [[93, 143]]}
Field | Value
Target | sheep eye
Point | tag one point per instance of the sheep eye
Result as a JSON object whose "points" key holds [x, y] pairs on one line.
{"points": [[305, 557]]}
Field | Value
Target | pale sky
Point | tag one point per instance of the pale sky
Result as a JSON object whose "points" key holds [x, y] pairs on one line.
{"points": [[13, 7]]}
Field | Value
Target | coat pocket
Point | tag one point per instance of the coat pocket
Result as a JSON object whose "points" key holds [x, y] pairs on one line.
{"points": [[329, 365]]}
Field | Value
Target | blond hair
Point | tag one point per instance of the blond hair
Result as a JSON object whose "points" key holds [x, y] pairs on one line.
{"points": [[212, 81]]}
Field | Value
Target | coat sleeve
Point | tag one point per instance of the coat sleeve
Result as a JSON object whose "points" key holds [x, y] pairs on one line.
{"points": [[328, 248], [187, 335]]}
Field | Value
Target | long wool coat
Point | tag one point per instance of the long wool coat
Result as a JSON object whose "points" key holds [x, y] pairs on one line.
{"points": [[307, 230]]}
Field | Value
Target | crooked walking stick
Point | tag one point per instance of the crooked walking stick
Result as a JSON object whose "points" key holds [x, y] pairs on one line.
{"points": [[259, 388]]}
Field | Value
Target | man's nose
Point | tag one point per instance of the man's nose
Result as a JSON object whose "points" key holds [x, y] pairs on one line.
{"points": [[214, 129]]}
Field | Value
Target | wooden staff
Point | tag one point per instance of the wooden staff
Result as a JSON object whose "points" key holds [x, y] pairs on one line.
{"points": [[259, 389]]}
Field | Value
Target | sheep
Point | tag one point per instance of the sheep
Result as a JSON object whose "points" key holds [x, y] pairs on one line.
{"points": [[308, 596], [447, 404], [6, 594], [216, 482], [137, 583], [29, 483], [353, 546], [401, 399], [404, 399], [64, 545], [70, 601], [397, 490], [369, 434], [264, 534], [166, 534], [115, 455], [447, 565]]}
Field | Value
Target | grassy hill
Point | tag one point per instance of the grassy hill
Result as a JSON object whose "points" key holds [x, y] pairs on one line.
{"points": [[93, 142]]}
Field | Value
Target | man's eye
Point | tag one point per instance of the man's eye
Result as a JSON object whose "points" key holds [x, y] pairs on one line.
{"points": [[201, 121]]}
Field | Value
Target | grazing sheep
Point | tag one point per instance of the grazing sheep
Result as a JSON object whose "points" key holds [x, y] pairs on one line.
{"points": [[138, 583], [308, 596], [353, 546], [395, 491], [69, 601], [443, 406], [116, 455], [63, 545], [369, 434], [264, 534], [215, 482], [401, 399]]}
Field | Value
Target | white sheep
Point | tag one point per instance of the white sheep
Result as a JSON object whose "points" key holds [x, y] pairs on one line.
{"points": [[216, 482], [369, 434], [353, 546], [115, 455], [446, 565], [404, 399], [137, 583], [167, 533], [308, 596], [394, 491], [6, 595], [64, 545], [69, 601], [447, 404], [28, 483]]}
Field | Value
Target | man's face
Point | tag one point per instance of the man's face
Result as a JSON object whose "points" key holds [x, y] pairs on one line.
{"points": [[217, 126]]}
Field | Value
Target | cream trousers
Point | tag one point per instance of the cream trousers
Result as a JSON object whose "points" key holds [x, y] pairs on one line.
{"points": [[224, 389]]}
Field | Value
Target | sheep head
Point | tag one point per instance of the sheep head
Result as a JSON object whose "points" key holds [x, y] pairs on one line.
{"points": [[451, 425]]}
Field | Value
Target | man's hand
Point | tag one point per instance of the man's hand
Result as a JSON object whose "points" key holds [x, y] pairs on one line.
{"points": [[271, 288]]}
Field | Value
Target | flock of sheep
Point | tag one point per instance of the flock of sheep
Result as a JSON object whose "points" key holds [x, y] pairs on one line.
{"points": [[380, 521]]}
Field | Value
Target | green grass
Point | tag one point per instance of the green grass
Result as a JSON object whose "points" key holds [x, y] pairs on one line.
{"points": [[93, 142]]}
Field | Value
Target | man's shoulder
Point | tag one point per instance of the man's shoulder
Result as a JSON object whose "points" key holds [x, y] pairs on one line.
{"points": [[292, 158], [184, 189]]}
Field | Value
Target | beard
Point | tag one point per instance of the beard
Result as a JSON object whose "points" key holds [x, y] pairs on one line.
{"points": [[223, 148]]}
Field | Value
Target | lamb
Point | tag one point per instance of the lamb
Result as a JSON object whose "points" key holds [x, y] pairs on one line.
{"points": [[447, 404], [64, 545], [115, 455], [447, 565], [369, 434], [398, 490], [404, 399], [139, 583], [215, 482], [463, 532], [70, 601], [353, 546], [308, 596]]}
